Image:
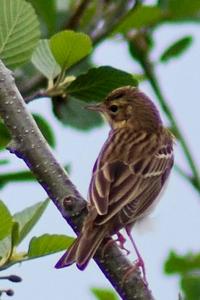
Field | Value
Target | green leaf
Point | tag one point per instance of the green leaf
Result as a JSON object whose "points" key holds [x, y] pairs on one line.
{"points": [[47, 12], [5, 247], [19, 32], [98, 82], [4, 136], [5, 221], [182, 264], [6, 178], [187, 10], [104, 294], [28, 217], [191, 286], [4, 161], [68, 47], [44, 61], [15, 234], [142, 16], [176, 49], [48, 244], [45, 129], [71, 112]]}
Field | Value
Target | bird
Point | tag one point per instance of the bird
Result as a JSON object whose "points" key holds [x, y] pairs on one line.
{"points": [[128, 176]]}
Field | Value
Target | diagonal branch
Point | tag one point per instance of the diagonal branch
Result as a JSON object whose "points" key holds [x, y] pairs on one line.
{"points": [[29, 145]]}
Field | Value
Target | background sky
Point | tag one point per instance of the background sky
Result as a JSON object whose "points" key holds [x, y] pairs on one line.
{"points": [[174, 224]]}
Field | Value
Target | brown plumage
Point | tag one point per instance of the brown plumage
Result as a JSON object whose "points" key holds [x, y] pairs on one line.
{"points": [[129, 172]]}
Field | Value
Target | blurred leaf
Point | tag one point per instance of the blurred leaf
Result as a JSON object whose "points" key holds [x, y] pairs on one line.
{"points": [[104, 294], [5, 221], [48, 244], [45, 129], [176, 49], [71, 112], [68, 47], [191, 286], [47, 12], [19, 32], [4, 161], [98, 82], [187, 9], [6, 178], [4, 135], [182, 264], [142, 16], [44, 61], [28, 217]]}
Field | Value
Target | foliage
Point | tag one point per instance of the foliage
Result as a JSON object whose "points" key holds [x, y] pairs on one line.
{"points": [[14, 228], [188, 268]]}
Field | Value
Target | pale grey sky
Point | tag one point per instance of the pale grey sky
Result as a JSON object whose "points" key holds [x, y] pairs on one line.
{"points": [[176, 218]]}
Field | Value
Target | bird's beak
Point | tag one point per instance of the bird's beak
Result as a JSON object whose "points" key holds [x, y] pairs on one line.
{"points": [[95, 107]]}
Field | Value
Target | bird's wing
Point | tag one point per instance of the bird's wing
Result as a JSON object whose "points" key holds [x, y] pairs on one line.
{"points": [[117, 184]]}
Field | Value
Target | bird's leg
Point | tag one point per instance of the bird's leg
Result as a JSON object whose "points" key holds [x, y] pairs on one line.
{"points": [[121, 239], [140, 261]]}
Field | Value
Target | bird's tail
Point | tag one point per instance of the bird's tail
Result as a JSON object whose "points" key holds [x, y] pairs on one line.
{"points": [[83, 248]]}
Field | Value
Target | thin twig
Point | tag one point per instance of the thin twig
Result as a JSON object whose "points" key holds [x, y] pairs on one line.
{"points": [[29, 145], [76, 16], [151, 76]]}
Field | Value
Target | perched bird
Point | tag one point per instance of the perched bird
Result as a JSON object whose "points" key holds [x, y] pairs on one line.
{"points": [[129, 174]]}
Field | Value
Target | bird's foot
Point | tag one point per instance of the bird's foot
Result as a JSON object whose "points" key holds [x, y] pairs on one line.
{"points": [[121, 241], [136, 265]]}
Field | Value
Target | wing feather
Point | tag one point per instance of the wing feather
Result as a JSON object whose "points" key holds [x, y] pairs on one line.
{"points": [[130, 186]]}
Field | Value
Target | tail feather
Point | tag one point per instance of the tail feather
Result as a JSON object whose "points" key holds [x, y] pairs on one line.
{"points": [[83, 249]]}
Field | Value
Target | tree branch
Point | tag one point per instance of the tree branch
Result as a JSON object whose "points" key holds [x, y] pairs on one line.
{"points": [[29, 145], [78, 13]]}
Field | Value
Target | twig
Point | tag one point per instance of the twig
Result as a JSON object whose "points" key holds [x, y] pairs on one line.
{"points": [[29, 145], [151, 76], [75, 18]]}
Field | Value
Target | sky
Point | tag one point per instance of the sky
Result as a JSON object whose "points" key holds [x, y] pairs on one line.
{"points": [[175, 221]]}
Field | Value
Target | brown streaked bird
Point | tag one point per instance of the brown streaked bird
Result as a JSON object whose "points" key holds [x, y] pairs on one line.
{"points": [[129, 174]]}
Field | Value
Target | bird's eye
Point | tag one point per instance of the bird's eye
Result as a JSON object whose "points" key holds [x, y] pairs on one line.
{"points": [[113, 108]]}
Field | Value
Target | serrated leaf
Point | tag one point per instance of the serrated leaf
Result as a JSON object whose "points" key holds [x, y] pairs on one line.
{"points": [[5, 221], [191, 286], [182, 263], [68, 47], [98, 82], [47, 12], [104, 294], [142, 16], [176, 49], [48, 244], [45, 129], [44, 60], [28, 217], [19, 32], [72, 113], [4, 136]]}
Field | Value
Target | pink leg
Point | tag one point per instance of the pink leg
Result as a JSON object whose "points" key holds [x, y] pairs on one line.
{"points": [[140, 261], [121, 239]]}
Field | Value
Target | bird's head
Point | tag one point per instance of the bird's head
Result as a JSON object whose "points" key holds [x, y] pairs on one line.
{"points": [[129, 107]]}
